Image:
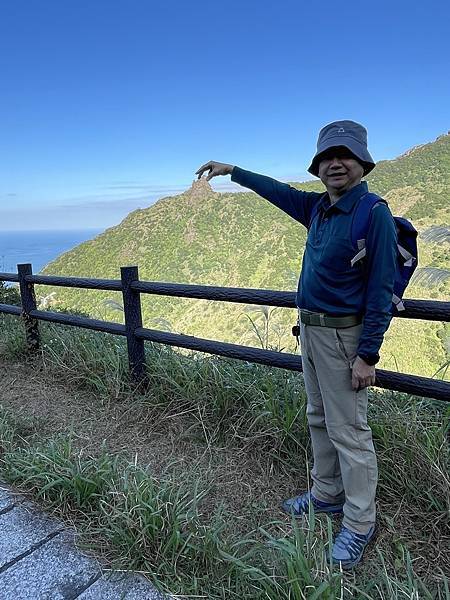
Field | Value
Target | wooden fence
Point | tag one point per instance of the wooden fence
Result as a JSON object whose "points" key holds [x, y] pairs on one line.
{"points": [[132, 288]]}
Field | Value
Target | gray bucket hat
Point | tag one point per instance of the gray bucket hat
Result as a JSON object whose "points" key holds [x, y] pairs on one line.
{"points": [[343, 133]]}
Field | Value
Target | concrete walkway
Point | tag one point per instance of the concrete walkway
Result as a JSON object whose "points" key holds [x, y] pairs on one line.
{"points": [[39, 560]]}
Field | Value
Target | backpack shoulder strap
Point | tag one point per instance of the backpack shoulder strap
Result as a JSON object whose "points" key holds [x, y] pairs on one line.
{"points": [[361, 223]]}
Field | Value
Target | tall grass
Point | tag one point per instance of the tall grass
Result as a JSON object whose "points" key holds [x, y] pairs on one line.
{"points": [[162, 526], [156, 526]]}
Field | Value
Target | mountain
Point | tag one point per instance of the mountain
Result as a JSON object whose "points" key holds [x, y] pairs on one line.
{"points": [[241, 240]]}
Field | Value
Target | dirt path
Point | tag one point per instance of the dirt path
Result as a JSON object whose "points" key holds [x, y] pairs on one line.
{"points": [[159, 440]]}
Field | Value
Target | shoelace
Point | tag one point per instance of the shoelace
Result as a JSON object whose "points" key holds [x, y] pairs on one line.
{"points": [[351, 542], [301, 505]]}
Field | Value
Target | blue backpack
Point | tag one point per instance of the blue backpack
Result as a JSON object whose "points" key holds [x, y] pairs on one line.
{"points": [[406, 244]]}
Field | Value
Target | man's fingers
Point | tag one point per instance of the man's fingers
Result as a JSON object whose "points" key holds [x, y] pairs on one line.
{"points": [[201, 174], [215, 169], [359, 383], [362, 383], [362, 377], [370, 380], [204, 167]]}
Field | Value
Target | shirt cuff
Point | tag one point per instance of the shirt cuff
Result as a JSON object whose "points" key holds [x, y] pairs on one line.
{"points": [[370, 359], [234, 173]]}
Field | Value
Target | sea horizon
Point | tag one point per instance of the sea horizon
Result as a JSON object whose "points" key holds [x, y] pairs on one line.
{"points": [[39, 246]]}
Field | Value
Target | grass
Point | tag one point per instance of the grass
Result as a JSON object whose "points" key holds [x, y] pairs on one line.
{"points": [[182, 480]]}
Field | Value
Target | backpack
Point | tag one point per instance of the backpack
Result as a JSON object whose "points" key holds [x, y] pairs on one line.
{"points": [[406, 244]]}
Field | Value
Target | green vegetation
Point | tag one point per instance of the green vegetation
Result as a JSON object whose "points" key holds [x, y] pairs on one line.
{"points": [[239, 240], [182, 480], [9, 295]]}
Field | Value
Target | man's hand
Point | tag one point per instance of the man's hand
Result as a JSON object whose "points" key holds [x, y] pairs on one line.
{"points": [[214, 168], [363, 374]]}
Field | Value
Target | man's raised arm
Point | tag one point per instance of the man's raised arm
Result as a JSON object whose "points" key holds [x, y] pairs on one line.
{"points": [[295, 203]]}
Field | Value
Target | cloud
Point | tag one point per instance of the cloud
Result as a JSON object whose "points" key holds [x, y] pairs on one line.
{"points": [[168, 190], [148, 189], [103, 208], [105, 203], [92, 210], [78, 215], [147, 196]]}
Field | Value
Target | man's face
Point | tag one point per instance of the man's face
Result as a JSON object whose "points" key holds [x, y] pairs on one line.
{"points": [[339, 170]]}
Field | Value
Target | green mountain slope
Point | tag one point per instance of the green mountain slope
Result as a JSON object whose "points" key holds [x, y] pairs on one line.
{"points": [[241, 240]]}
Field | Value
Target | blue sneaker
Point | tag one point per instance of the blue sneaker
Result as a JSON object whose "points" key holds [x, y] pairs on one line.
{"points": [[299, 505], [349, 547]]}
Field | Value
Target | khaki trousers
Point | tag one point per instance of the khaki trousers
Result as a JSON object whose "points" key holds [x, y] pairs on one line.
{"points": [[345, 465]]}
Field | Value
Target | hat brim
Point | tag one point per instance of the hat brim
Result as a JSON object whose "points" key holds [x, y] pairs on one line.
{"points": [[358, 150]]}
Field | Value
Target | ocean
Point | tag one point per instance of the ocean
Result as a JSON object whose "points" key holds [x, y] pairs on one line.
{"points": [[38, 247]]}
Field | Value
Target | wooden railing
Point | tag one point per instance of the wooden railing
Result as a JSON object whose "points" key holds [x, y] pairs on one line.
{"points": [[131, 288]]}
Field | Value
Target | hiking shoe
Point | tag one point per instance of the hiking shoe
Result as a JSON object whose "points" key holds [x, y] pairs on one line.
{"points": [[349, 547], [299, 505]]}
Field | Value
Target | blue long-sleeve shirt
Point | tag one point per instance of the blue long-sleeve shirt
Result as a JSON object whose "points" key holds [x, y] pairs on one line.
{"points": [[328, 283]]}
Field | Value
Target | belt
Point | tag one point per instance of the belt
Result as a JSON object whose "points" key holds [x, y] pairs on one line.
{"points": [[322, 320]]}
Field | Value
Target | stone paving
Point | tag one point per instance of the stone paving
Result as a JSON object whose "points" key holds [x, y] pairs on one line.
{"points": [[39, 560]]}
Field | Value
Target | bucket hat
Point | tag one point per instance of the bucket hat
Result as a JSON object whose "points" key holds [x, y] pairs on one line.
{"points": [[343, 133]]}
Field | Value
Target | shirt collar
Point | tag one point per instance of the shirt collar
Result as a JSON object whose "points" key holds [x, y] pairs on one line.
{"points": [[348, 200]]}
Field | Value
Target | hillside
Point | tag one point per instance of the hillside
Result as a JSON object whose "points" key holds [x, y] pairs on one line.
{"points": [[238, 239]]}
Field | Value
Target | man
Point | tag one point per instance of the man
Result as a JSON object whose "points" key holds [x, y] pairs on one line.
{"points": [[344, 311]]}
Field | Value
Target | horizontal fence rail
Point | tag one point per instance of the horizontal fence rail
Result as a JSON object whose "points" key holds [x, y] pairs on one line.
{"points": [[429, 310], [10, 310], [84, 322], [399, 382], [111, 285], [9, 277], [131, 288]]}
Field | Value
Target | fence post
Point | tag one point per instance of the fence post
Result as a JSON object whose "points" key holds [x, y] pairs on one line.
{"points": [[133, 320], [28, 299]]}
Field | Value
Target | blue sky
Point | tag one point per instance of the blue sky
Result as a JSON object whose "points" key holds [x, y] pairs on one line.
{"points": [[107, 105]]}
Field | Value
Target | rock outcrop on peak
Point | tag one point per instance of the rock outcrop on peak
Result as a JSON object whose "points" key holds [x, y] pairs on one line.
{"points": [[199, 188]]}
